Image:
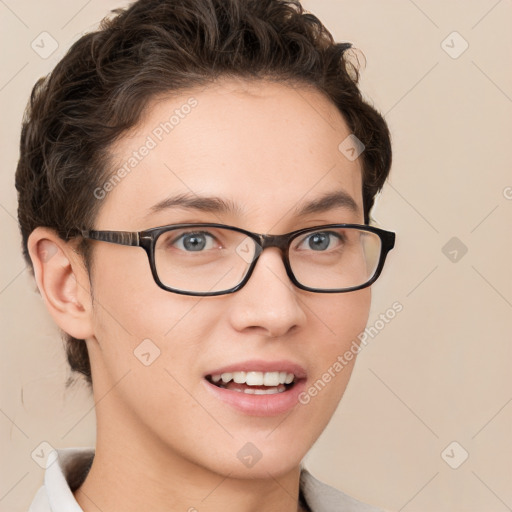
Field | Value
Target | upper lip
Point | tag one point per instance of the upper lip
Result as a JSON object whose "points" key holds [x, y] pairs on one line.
{"points": [[259, 365]]}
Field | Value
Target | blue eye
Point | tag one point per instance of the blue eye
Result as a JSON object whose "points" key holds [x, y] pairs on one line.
{"points": [[320, 241], [194, 242]]}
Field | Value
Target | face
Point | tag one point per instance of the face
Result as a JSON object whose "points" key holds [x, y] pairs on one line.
{"points": [[267, 150]]}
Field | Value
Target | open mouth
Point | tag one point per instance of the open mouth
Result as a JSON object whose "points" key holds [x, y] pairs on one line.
{"points": [[254, 383]]}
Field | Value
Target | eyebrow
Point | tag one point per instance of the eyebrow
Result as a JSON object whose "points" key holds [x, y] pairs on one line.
{"points": [[201, 203], [329, 201]]}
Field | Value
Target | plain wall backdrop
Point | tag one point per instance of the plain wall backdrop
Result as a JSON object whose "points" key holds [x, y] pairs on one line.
{"points": [[425, 423]]}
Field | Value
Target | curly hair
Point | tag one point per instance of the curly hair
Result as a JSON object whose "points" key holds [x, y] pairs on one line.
{"points": [[100, 87]]}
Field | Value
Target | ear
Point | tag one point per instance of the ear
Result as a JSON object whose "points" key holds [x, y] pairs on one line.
{"points": [[63, 282]]}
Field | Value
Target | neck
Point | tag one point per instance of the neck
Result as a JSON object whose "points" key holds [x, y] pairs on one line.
{"points": [[131, 473]]}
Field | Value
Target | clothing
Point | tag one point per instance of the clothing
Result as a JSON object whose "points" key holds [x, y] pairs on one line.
{"points": [[71, 466]]}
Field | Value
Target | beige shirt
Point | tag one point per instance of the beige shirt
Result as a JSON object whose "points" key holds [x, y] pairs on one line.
{"points": [[71, 465]]}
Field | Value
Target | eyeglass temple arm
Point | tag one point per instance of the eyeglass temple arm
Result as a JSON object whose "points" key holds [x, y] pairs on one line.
{"points": [[390, 238], [114, 237]]}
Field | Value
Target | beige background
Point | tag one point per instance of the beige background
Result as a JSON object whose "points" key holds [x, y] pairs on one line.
{"points": [[440, 370]]}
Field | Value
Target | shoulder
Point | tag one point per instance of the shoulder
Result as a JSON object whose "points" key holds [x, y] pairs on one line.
{"points": [[321, 497]]}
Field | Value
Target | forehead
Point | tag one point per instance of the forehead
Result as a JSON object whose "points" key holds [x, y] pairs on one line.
{"points": [[264, 148]]}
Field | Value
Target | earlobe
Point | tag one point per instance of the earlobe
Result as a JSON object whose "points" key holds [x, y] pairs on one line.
{"points": [[62, 281]]}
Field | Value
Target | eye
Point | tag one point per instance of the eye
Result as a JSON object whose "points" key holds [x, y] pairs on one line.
{"points": [[320, 241], [194, 241]]}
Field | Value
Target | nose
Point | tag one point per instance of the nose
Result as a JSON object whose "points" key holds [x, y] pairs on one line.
{"points": [[269, 302]]}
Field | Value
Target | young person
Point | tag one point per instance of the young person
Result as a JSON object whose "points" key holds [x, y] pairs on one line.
{"points": [[195, 184]]}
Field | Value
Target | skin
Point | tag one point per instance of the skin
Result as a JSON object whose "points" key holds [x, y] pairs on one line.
{"points": [[163, 442]]}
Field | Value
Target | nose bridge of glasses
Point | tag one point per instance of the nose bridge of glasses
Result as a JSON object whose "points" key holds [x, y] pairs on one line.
{"points": [[279, 241], [262, 242]]}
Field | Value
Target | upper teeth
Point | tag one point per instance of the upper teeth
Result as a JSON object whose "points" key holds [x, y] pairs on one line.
{"points": [[256, 378]]}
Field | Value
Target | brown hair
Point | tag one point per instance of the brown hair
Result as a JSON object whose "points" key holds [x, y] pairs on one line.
{"points": [[99, 89]]}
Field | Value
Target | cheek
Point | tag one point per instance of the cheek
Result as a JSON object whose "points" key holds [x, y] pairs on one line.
{"points": [[128, 300], [339, 320], [133, 316], [150, 340], [344, 317]]}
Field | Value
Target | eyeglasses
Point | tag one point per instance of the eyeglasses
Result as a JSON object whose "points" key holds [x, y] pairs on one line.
{"points": [[215, 259]]}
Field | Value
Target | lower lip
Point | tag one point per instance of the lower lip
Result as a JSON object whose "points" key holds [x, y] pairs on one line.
{"points": [[259, 405]]}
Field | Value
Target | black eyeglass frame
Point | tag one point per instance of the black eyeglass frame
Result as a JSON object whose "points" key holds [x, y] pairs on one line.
{"points": [[147, 240]]}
